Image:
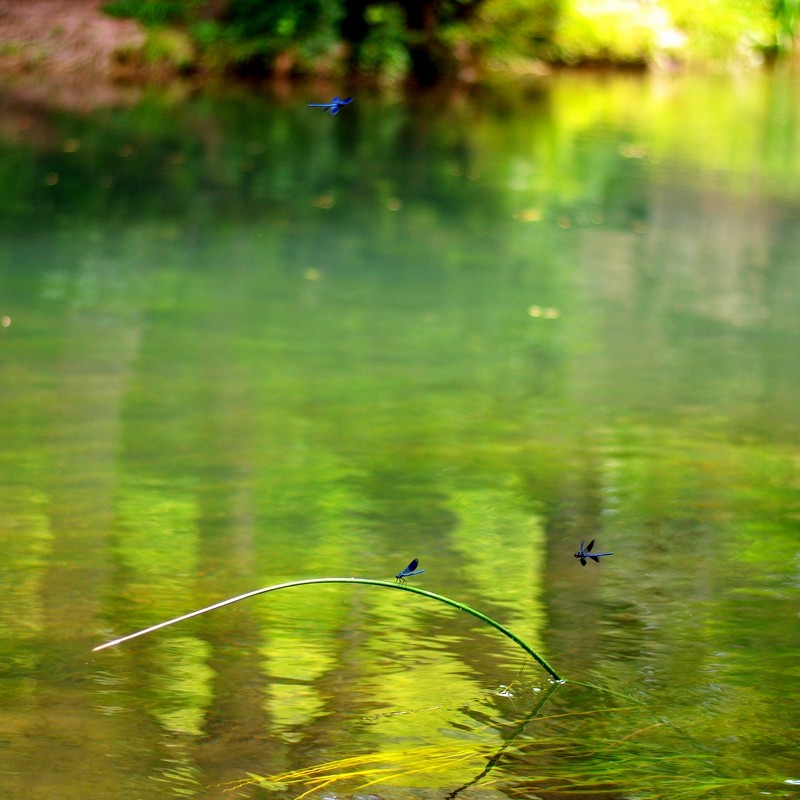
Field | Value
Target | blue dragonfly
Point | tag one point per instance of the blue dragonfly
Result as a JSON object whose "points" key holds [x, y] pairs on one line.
{"points": [[586, 552], [410, 570], [333, 106]]}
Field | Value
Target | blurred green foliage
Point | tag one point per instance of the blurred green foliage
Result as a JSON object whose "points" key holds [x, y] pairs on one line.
{"points": [[251, 34], [721, 30], [432, 39], [152, 12], [787, 15]]}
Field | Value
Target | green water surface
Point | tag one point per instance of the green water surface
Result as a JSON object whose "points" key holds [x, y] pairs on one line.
{"points": [[244, 342]]}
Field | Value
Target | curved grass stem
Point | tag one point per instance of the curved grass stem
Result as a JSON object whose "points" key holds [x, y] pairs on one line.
{"points": [[366, 581]]}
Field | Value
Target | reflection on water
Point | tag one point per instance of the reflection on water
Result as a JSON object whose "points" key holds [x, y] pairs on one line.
{"points": [[248, 345]]}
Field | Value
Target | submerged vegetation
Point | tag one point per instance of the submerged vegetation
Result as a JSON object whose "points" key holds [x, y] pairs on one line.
{"points": [[432, 40], [648, 768]]}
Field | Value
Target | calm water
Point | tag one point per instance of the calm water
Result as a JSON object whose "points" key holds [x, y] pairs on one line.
{"points": [[244, 342]]}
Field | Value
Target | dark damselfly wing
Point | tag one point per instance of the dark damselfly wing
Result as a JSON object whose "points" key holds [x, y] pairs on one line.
{"points": [[410, 569]]}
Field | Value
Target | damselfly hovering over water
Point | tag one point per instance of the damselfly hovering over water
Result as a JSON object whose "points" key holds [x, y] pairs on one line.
{"points": [[333, 106], [586, 552], [410, 570]]}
